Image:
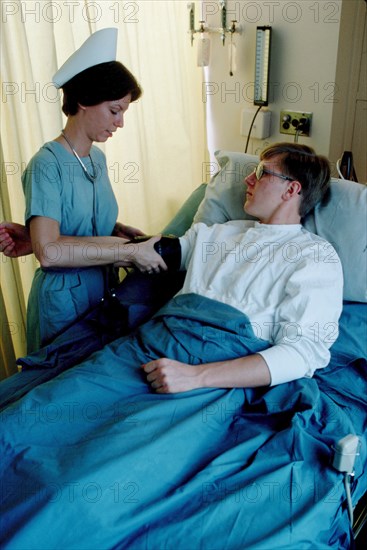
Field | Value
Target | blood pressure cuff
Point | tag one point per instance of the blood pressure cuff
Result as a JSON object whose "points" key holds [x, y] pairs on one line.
{"points": [[140, 295], [168, 247], [124, 308]]}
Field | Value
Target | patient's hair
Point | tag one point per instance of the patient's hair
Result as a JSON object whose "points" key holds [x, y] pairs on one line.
{"points": [[103, 82], [304, 165]]}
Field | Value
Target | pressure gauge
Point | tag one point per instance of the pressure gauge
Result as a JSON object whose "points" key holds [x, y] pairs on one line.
{"points": [[262, 65]]}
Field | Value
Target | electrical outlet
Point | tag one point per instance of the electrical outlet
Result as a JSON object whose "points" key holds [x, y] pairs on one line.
{"points": [[293, 122]]}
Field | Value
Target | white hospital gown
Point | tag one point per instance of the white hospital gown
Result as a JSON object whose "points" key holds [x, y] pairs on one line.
{"points": [[288, 281]]}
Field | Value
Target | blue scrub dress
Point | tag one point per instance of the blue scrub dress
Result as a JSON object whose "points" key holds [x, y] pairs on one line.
{"points": [[56, 187]]}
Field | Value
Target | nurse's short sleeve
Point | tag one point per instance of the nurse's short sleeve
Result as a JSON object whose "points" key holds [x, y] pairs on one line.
{"points": [[42, 186]]}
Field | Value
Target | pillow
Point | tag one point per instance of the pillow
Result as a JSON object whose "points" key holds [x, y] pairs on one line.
{"points": [[225, 193], [340, 218], [183, 218]]}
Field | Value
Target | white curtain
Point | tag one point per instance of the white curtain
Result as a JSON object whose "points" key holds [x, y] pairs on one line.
{"points": [[155, 161]]}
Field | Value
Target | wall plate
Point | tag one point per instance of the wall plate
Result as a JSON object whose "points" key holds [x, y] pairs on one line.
{"points": [[290, 121]]}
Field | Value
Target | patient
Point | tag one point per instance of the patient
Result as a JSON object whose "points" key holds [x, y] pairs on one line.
{"points": [[281, 276], [261, 299]]}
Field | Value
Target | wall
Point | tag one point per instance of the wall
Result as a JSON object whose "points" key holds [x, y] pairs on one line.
{"points": [[303, 68], [349, 129]]}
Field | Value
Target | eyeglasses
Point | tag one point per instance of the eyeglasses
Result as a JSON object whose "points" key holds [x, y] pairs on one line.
{"points": [[260, 171]]}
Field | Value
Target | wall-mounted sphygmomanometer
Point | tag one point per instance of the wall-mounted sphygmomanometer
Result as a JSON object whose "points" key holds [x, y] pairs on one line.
{"points": [[262, 65], [261, 129]]}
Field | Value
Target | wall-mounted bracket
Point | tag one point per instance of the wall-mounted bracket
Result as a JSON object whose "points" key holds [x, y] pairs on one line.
{"points": [[223, 30]]}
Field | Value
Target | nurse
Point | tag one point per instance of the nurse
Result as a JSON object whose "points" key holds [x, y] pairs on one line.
{"points": [[71, 210]]}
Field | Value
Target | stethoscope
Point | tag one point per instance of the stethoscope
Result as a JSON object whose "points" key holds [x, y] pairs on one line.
{"points": [[91, 177]]}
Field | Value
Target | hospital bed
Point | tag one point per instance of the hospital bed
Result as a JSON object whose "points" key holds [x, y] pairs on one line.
{"points": [[92, 460]]}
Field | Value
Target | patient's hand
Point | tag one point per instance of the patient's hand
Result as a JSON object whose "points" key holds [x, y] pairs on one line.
{"points": [[15, 240], [170, 376]]}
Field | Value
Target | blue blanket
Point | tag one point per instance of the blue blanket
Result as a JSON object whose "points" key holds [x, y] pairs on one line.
{"points": [[93, 459]]}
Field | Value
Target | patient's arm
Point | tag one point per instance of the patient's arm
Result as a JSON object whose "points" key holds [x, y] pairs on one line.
{"points": [[15, 240], [170, 376]]}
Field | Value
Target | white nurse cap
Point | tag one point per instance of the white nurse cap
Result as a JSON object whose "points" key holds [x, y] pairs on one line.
{"points": [[100, 47]]}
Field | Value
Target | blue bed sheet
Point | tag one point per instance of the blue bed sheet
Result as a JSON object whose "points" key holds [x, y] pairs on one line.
{"points": [[93, 459]]}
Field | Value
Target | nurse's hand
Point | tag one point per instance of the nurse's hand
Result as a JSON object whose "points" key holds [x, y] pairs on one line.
{"points": [[143, 256], [15, 240], [126, 231]]}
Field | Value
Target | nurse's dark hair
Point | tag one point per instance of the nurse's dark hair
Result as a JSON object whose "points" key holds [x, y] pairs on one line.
{"points": [[104, 82], [301, 163]]}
